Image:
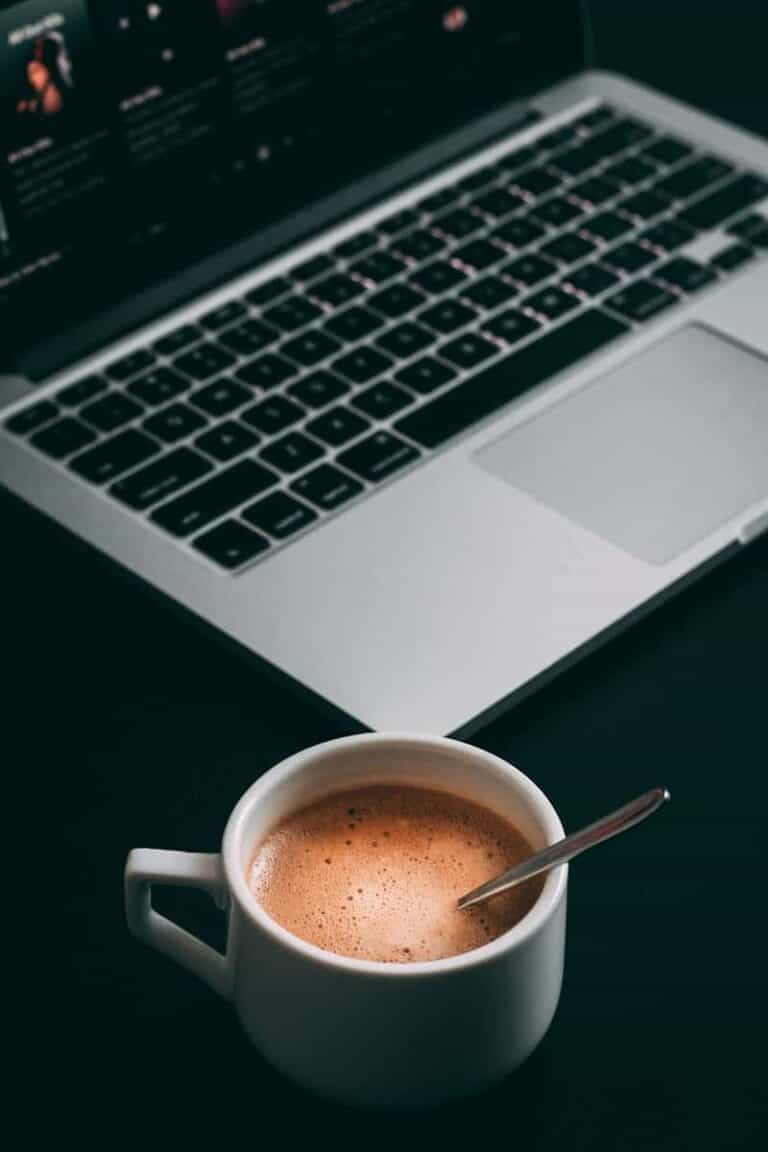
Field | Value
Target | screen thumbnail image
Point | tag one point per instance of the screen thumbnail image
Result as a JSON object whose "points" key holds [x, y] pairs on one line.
{"points": [[152, 41]]}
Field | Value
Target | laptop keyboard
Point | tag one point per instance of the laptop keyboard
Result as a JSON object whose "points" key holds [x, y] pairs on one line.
{"points": [[237, 432]]}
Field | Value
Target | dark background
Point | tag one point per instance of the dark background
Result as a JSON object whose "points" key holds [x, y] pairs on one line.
{"points": [[123, 725]]}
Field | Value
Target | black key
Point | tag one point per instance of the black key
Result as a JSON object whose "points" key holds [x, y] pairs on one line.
{"points": [[518, 159], [362, 364], [111, 411], [406, 340], [623, 134], [644, 205], [726, 261], [595, 191], [498, 202], [311, 347], [174, 423], [272, 415], [131, 365], [529, 270], [629, 257], [279, 515], [667, 150], [158, 386], [726, 202], [311, 269], [293, 313], [557, 212], [292, 452], [231, 544], [591, 280], [685, 274], [207, 501], [248, 338], [519, 233], [160, 479], [63, 438], [396, 300], [668, 235], [378, 456], [490, 292], [557, 138], [337, 289], [82, 391], [477, 179], [479, 254], [512, 326], [266, 371], [338, 426], [398, 221], [204, 361], [378, 267], [223, 315], [447, 316], [575, 161], [552, 302], [178, 340], [693, 178], [318, 389], [354, 323], [327, 487], [629, 172], [220, 398], [382, 400], [536, 181], [33, 417], [226, 441], [268, 291], [419, 244], [751, 228], [439, 200], [426, 374], [458, 224], [348, 249], [486, 392], [597, 118], [114, 456], [468, 350], [641, 301], [568, 248], [608, 226]]}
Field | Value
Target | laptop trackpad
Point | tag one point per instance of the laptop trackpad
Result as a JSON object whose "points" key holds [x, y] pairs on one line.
{"points": [[656, 454]]}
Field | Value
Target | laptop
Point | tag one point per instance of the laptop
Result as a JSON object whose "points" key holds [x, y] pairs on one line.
{"points": [[386, 337]]}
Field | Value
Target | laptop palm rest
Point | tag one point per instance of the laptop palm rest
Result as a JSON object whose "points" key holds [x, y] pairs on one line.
{"points": [[656, 454]]}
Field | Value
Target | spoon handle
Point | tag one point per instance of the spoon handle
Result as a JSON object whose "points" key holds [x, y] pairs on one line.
{"points": [[565, 850]]}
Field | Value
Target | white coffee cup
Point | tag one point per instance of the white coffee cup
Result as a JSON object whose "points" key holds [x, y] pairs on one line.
{"points": [[361, 1031]]}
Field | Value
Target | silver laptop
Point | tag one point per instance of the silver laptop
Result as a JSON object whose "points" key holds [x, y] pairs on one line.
{"points": [[382, 335]]}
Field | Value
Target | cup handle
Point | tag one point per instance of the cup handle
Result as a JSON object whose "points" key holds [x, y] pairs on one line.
{"points": [[147, 866]]}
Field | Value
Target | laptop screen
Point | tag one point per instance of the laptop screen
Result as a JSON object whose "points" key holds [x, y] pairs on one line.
{"points": [[138, 136]]}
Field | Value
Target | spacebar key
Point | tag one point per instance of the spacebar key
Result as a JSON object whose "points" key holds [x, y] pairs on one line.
{"points": [[484, 393], [206, 502]]}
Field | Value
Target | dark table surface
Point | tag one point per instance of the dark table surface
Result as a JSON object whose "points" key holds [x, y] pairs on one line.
{"points": [[124, 726]]}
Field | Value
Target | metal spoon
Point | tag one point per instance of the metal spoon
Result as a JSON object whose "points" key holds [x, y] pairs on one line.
{"points": [[571, 846]]}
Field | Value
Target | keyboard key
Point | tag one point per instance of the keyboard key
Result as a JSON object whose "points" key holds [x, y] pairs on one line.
{"points": [[497, 203], [591, 279], [378, 267], [568, 248], [552, 302], [248, 338], [620, 136], [266, 371], [641, 301], [536, 181], [226, 441], [311, 347], [512, 326], [338, 426], [291, 314], [519, 233], [597, 118], [608, 226], [644, 205], [33, 417], [425, 375], [220, 398], [398, 221], [210, 500], [327, 487], [529, 270], [484, 393], [685, 274], [406, 340], [667, 150], [362, 364], [292, 452], [575, 161], [558, 138], [447, 316], [378, 456], [726, 261], [177, 340], [222, 316], [160, 479], [667, 236], [477, 179], [114, 456], [268, 291], [318, 389], [458, 224], [231, 544], [204, 361], [479, 254], [272, 415], [63, 438], [382, 400], [279, 515], [131, 365], [174, 423], [489, 292], [158, 387], [81, 391], [594, 191], [111, 412], [557, 212], [752, 228], [468, 350], [520, 158], [629, 257], [357, 244], [336, 290], [354, 323], [693, 178], [311, 269], [629, 172], [727, 201], [396, 300], [419, 245]]}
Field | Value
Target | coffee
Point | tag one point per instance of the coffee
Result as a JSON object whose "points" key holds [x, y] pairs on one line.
{"points": [[374, 873]]}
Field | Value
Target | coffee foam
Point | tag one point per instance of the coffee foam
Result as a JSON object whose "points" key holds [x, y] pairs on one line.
{"points": [[374, 873]]}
